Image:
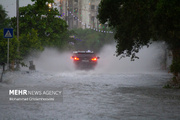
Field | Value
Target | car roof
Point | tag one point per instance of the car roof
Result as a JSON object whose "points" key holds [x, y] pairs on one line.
{"points": [[83, 52]]}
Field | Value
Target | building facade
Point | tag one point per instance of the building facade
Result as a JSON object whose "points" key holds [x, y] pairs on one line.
{"points": [[79, 13]]}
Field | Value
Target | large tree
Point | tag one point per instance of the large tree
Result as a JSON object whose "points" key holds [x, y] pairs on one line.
{"points": [[52, 30], [138, 22], [131, 21], [39, 26]]}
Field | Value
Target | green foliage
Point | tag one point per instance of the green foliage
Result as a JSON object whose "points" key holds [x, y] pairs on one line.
{"points": [[51, 30], [172, 84], [39, 26], [131, 20], [167, 86], [87, 39], [3, 48], [41, 4], [29, 43], [138, 21], [175, 67], [4, 23], [4, 20], [166, 22]]}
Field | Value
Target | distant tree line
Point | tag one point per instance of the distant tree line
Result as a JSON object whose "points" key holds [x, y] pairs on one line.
{"points": [[88, 39]]}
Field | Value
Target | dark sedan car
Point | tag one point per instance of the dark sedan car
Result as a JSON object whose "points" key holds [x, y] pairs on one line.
{"points": [[84, 59]]}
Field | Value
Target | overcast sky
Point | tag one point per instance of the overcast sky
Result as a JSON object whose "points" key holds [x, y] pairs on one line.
{"points": [[10, 6]]}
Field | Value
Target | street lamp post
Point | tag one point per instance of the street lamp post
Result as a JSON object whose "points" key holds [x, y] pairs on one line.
{"points": [[17, 15]]}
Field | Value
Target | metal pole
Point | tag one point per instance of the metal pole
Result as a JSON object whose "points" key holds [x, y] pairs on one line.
{"points": [[73, 14], [67, 12], [8, 54], [17, 15]]}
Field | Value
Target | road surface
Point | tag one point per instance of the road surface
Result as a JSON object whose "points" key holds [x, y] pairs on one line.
{"points": [[91, 95]]}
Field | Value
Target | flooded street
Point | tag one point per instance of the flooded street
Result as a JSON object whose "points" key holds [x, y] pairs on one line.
{"points": [[114, 90], [89, 60], [95, 96]]}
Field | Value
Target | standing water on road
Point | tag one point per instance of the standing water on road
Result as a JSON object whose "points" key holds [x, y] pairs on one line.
{"points": [[116, 89]]}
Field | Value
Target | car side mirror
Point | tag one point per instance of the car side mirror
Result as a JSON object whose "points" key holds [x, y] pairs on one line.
{"points": [[98, 57]]}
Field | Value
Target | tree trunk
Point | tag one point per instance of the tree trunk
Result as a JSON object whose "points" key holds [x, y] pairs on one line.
{"points": [[175, 67]]}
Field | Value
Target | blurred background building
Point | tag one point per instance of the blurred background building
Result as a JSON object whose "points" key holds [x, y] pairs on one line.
{"points": [[79, 13]]}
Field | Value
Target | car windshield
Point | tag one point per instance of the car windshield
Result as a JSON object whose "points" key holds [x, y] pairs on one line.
{"points": [[85, 54]]}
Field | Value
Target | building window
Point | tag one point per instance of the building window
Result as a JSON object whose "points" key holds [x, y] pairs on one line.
{"points": [[92, 7], [92, 19]]}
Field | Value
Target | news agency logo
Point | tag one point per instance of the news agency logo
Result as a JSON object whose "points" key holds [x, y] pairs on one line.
{"points": [[35, 95], [18, 92], [27, 92]]}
